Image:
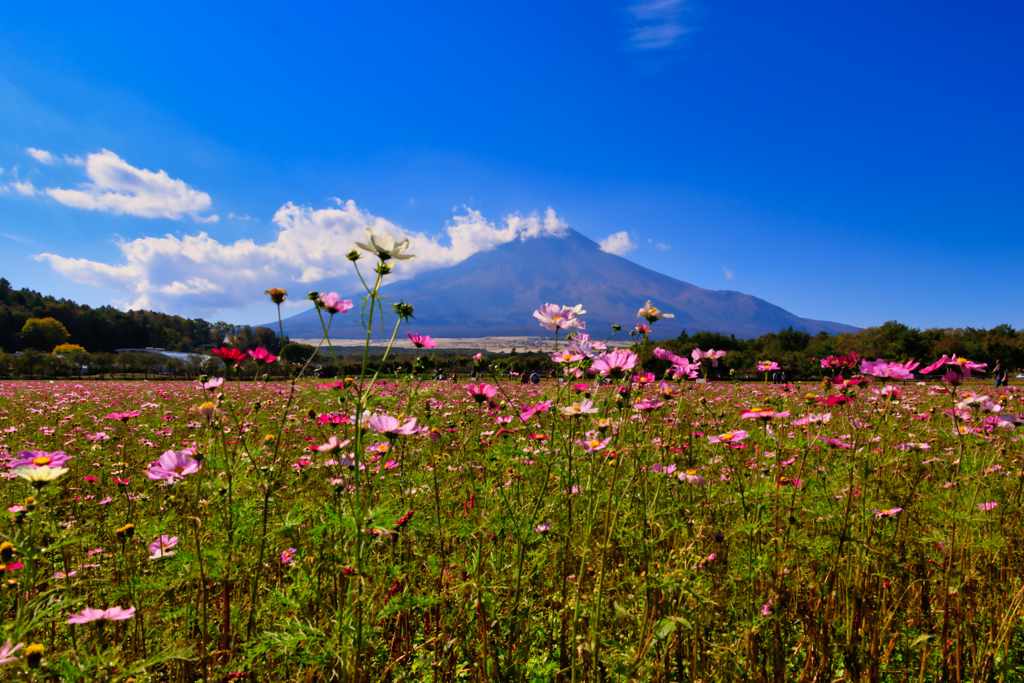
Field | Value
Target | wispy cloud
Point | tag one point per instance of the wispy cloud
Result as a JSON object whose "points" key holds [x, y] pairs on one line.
{"points": [[118, 187], [235, 217], [25, 188], [661, 246], [198, 274], [618, 244], [41, 155], [657, 24], [729, 275]]}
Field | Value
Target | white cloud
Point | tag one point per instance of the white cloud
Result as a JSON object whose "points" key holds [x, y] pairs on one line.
{"points": [[41, 155], [729, 275], [74, 161], [618, 244], [661, 246], [659, 26], [118, 187], [196, 274], [26, 188], [235, 217]]}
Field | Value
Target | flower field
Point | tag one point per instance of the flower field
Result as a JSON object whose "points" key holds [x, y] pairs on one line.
{"points": [[575, 530]]}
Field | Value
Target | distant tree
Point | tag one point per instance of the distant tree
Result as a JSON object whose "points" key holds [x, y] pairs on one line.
{"points": [[297, 353], [44, 334]]}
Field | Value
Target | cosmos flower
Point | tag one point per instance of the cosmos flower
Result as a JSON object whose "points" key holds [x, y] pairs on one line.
{"points": [[963, 364], [553, 317], [288, 556], [40, 459], [652, 314], [390, 427], [262, 356], [7, 652], [892, 512], [421, 342], [333, 304], [897, 371], [762, 414], [333, 445], [710, 355], [123, 417], [569, 355], [480, 392], [585, 407], [647, 404], [40, 476], [691, 477], [385, 247], [729, 437], [593, 445], [766, 365], [173, 465], [230, 355], [616, 363], [90, 615], [276, 294], [159, 547]]}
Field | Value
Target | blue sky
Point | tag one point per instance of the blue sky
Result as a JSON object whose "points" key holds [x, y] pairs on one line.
{"points": [[856, 162]]}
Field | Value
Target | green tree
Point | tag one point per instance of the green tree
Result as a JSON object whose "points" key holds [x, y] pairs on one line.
{"points": [[44, 333]]}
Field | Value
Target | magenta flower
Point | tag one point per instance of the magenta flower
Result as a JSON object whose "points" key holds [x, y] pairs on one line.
{"points": [[965, 365], [98, 436], [288, 556], [985, 507], [333, 445], [172, 466], [123, 417], [35, 459], [892, 512], [648, 404], [159, 548], [616, 363], [569, 355], [710, 355], [262, 356], [897, 371], [729, 437], [90, 615], [766, 365], [333, 304], [762, 414], [481, 392], [421, 341], [766, 609], [478, 357], [390, 427]]}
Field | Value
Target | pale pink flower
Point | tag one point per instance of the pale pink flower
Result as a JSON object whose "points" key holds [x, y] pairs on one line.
{"points": [[985, 507], [766, 365], [897, 371], [585, 407], [89, 615], [7, 652], [762, 414], [553, 317], [172, 466], [710, 355], [647, 404], [390, 427], [213, 383], [333, 445], [480, 392], [159, 548], [615, 363], [593, 445], [965, 365], [729, 437]]}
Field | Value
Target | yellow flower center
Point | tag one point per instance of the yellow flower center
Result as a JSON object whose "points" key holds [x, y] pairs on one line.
{"points": [[42, 460], [594, 444], [727, 437]]}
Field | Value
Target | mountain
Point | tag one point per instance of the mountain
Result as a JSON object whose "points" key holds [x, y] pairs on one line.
{"points": [[494, 294]]}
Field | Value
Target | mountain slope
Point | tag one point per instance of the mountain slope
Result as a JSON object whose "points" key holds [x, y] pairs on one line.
{"points": [[494, 293]]}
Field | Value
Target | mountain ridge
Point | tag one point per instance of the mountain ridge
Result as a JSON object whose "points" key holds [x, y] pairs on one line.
{"points": [[494, 293]]}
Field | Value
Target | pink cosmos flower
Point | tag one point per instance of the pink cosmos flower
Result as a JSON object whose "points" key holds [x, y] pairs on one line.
{"points": [[892, 512], [647, 404], [581, 338], [569, 355], [123, 417], [390, 427], [762, 414], [766, 609], [35, 459], [481, 392], [553, 317], [729, 437], [7, 652], [98, 436], [595, 444], [89, 615], [333, 445], [669, 390], [262, 356], [616, 363], [288, 556], [965, 365], [691, 477], [478, 357], [710, 355], [897, 371], [213, 383], [421, 341], [643, 329], [644, 378], [985, 507], [332, 304], [585, 407], [172, 466], [159, 548], [766, 365]]}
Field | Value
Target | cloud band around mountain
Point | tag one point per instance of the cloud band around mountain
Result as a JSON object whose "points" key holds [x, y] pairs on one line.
{"points": [[199, 274]]}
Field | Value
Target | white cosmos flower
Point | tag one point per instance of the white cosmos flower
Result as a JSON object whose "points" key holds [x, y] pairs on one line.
{"points": [[40, 475], [385, 247], [652, 314], [577, 309]]}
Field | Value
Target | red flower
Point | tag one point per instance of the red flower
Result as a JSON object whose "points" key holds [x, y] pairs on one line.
{"points": [[230, 355]]}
